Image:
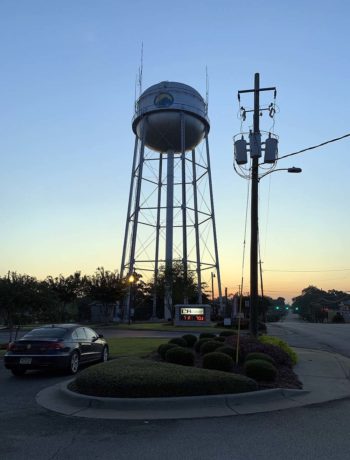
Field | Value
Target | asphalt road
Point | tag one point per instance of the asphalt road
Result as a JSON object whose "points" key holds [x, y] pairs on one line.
{"points": [[320, 336], [317, 432]]}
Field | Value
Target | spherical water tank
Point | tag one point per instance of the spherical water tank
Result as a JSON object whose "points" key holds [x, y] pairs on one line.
{"points": [[158, 117]]}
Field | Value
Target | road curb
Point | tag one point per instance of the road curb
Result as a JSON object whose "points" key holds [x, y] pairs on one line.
{"points": [[59, 398]]}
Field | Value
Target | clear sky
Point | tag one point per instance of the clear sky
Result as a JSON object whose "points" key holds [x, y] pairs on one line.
{"points": [[66, 101]]}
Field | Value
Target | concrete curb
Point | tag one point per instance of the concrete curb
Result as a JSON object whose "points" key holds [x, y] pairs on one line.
{"points": [[60, 399]]}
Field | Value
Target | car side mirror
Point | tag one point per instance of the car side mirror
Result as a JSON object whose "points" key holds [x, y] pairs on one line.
{"points": [[100, 336]]}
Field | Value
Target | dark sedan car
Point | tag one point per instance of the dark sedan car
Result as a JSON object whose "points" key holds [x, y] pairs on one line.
{"points": [[57, 346]]}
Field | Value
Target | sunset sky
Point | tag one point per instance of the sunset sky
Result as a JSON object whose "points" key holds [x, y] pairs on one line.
{"points": [[67, 95]]}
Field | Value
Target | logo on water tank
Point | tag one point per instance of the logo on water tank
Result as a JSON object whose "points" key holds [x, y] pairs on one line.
{"points": [[163, 100]]}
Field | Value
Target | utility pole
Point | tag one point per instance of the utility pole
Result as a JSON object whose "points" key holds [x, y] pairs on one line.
{"points": [[254, 219], [254, 232]]}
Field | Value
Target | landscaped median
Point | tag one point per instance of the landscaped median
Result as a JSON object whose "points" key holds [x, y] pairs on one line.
{"points": [[188, 366]]}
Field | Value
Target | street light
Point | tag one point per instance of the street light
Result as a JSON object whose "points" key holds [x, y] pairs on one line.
{"points": [[131, 280], [212, 287], [292, 170]]}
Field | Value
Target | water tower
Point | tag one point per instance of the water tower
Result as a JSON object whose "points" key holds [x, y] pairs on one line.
{"points": [[170, 212]]}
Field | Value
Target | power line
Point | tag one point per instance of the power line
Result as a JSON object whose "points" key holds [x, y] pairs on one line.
{"points": [[308, 271], [315, 146]]}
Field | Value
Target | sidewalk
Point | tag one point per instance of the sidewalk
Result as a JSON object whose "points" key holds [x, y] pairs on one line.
{"points": [[325, 377]]}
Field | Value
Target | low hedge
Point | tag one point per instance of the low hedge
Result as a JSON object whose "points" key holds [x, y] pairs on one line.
{"points": [[190, 339], [178, 341], [218, 361], [199, 343], [141, 378], [162, 349], [262, 356], [260, 370], [230, 351], [209, 347], [179, 355]]}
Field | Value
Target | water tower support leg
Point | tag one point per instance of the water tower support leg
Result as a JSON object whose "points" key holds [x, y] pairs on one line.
{"points": [[169, 236], [156, 258], [184, 209], [214, 227], [196, 228]]}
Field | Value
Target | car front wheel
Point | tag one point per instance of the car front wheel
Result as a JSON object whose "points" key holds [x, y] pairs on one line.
{"points": [[74, 363]]}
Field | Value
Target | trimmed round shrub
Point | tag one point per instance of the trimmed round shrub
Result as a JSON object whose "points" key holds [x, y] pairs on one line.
{"points": [[230, 351], [263, 356], [180, 355], [142, 378], [178, 341], [199, 343], [218, 361], [259, 369], [209, 346], [190, 339], [219, 339], [207, 335], [227, 333], [164, 347]]}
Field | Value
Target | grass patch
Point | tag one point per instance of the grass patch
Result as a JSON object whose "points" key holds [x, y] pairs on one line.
{"points": [[166, 326], [133, 346], [140, 378]]}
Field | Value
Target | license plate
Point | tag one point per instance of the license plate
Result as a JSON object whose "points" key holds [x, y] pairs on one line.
{"points": [[25, 361]]}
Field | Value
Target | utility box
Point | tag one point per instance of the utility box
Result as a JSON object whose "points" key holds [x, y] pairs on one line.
{"points": [[241, 151], [271, 150], [255, 145], [192, 315]]}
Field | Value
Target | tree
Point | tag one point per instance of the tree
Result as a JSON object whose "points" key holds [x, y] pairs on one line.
{"points": [[67, 289], [105, 287], [18, 295], [313, 301]]}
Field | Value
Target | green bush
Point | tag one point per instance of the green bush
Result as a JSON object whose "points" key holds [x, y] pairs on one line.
{"points": [[199, 343], [142, 378], [178, 341], [209, 346], [230, 351], [259, 369], [218, 361], [180, 355], [227, 333], [220, 339], [162, 349], [281, 344], [263, 356], [190, 339], [207, 335]]}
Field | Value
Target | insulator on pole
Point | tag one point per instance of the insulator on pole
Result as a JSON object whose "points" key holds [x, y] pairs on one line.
{"points": [[255, 145], [241, 151], [271, 150]]}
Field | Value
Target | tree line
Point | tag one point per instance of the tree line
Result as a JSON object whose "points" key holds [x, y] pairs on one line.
{"points": [[313, 304], [25, 299]]}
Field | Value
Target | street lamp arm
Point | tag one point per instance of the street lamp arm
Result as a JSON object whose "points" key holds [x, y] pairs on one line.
{"points": [[292, 170]]}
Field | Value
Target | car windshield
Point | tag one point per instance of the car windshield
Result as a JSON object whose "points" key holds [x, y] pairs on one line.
{"points": [[46, 332]]}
